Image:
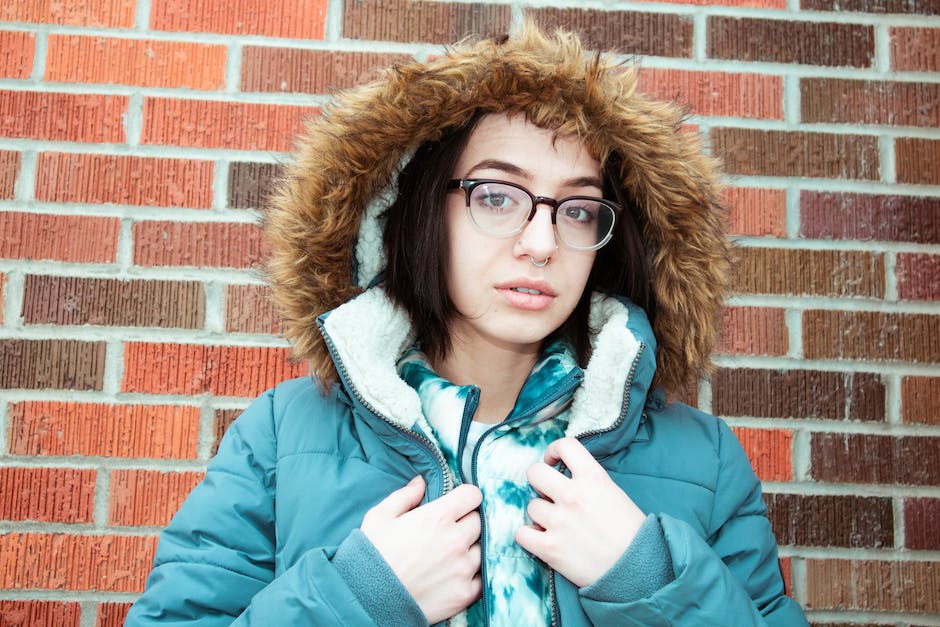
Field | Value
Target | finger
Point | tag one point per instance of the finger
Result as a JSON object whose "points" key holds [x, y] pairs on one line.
{"points": [[540, 513], [401, 501], [547, 481], [570, 451], [532, 540], [457, 503], [470, 527]]}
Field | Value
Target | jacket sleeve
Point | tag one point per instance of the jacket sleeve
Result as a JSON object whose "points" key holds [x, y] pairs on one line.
{"points": [[215, 561], [670, 575]]}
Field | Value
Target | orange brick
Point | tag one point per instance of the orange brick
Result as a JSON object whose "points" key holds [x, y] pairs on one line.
{"points": [[249, 309], [755, 211], [217, 244], [754, 331], [67, 177], [62, 117], [148, 497], [16, 53], [717, 93], [79, 239], [144, 62], [920, 400], [100, 13], [218, 124], [112, 614], [93, 429], [65, 495], [875, 585], [9, 169], [191, 369], [770, 452], [298, 19], [58, 561], [33, 613], [915, 49]]}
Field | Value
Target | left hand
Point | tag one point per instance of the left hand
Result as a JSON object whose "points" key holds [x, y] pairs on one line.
{"points": [[582, 524]]}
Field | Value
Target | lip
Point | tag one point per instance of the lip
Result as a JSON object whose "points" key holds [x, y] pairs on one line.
{"points": [[532, 284], [527, 302]]}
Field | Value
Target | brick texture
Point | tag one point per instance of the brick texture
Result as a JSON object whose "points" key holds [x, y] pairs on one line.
{"points": [[249, 309], [243, 371], [654, 34], [922, 524], [717, 93], [65, 495], [148, 497], [222, 419], [3, 282], [918, 276], [754, 331], [798, 394], [112, 614], [925, 7], [51, 364], [250, 184], [915, 49], [870, 102], [269, 69], [882, 585], [9, 169], [101, 13], [78, 239], [769, 450], [98, 429], [920, 400], [218, 244], [301, 19], [828, 520], [917, 160], [755, 211], [871, 335], [434, 22], [113, 302], [828, 215], [39, 613], [816, 272], [884, 459], [790, 153], [64, 117], [67, 177], [144, 62], [16, 53]]}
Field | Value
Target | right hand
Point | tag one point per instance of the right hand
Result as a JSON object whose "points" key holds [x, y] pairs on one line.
{"points": [[433, 549]]}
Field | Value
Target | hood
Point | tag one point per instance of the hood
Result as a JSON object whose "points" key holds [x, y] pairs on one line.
{"points": [[324, 220]]}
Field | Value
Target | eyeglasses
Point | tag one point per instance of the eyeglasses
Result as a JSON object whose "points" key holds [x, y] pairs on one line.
{"points": [[502, 209]]}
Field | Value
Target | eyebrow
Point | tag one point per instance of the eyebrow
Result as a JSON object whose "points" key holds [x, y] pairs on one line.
{"points": [[511, 168]]}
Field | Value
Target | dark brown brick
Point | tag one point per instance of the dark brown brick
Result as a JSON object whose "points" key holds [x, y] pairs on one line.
{"points": [[309, 71], [51, 364], [789, 153], [870, 102], [798, 394], [655, 34], [829, 520], [9, 169], [222, 419], [785, 41], [249, 309], [918, 276], [825, 215], [920, 400], [434, 22], [917, 160], [880, 585], [113, 302], [924, 7], [815, 272], [250, 184], [885, 459], [922, 524], [871, 335], [35, 613]]}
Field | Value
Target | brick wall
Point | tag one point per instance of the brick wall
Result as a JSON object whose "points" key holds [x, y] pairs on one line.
{"points": [[138, 137]]}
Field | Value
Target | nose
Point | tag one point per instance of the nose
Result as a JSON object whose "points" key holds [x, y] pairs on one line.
{"points": [[538, 237]]}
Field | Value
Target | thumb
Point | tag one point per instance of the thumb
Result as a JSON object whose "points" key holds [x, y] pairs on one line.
{"points": [[402, 500]]}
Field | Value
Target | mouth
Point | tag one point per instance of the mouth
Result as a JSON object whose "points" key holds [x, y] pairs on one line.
{"points": [[526, 290]]}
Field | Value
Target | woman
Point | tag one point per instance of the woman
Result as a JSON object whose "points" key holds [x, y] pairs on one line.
{"points": [[539, 257]]}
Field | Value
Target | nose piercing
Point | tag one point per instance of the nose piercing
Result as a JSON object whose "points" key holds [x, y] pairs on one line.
{"points": [[538, 264]]}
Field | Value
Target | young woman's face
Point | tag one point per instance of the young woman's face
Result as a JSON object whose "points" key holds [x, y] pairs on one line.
{"points": [[502, 298]]}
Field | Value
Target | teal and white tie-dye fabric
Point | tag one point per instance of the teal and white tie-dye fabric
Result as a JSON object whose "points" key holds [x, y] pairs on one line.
{"points": [[517, 587]]}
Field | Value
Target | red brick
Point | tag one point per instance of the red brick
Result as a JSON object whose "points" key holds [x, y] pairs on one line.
{"points": [[754, 331], [51, 364], [102, 430], [843, 101], [435, 22], [882, 585], [68, 177], [830, 520], [927, 7], [62, 117], [220, 124], [3, 282], [112, 614], [917, 160], [295, 70], [80, 239], [791, 153], [16, 53], [148, 497], [222, 419], [922, 524], [920, 400], [144, 62], [756, 4], [250, 184], [192, 369], [35, 613], [249, 309], [65, 495], [915, 49], [883, 459], [113, 302], [877, 336], [100, 13], [820, 43], [217, 244], [918, 276], [798, 394], [9, 169], [754, 211], [825, 215], [654, 34], [770, 452], [298, 19], [717, 93], [816, 272], [58, 561]]}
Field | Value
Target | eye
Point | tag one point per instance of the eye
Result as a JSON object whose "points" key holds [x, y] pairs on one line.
{"points": [[579, 212], [496, 198]]}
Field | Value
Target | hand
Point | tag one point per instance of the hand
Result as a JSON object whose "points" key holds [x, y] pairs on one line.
{"points": [[583, 524], [433, 549]]}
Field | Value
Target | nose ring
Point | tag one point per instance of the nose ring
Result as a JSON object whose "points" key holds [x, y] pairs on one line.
{"points": [[538, 264]]}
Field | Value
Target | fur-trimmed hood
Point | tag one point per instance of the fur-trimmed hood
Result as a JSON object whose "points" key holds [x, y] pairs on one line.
{"points": [[324, 220]]}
